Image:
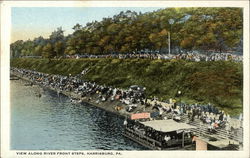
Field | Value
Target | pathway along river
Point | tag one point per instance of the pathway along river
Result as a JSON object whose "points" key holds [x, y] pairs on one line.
{"points": [[50, 122]]}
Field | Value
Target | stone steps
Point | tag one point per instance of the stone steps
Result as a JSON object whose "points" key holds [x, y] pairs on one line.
{"points": [[220, 133]]}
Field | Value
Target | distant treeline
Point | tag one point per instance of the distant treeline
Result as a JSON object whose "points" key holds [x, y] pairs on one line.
{"points": [[200, 29]]}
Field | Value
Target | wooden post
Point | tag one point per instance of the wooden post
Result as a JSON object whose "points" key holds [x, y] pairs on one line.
{"points": [[200, 144], [183, 138]]}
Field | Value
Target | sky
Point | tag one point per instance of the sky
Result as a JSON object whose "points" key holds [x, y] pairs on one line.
{"points": [[30, 22]]}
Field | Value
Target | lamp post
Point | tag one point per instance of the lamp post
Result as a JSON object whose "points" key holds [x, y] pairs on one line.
{"points": [[170, 21], [179, 93]]}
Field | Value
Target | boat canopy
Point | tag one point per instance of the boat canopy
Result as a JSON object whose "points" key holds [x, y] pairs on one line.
{"points": [[167, 125]]}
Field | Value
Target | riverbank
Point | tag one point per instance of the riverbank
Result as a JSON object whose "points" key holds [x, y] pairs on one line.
{"points": [[91, 100], [217, 82], [101, 97], [122, 102]]}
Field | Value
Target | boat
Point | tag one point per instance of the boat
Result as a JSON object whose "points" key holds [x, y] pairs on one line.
{"points": [[28, 84], [159, 134], [14, 78]]}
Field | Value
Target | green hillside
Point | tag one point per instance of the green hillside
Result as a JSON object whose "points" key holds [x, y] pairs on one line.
{"points": [[219, 82]]}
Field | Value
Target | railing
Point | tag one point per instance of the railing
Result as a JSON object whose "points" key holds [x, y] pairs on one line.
{"points": [[143, 138], [220, 133], [151, 143]]}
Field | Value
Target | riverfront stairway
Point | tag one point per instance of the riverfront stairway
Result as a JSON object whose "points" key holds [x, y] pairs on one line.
{"points": [[221, 133]]}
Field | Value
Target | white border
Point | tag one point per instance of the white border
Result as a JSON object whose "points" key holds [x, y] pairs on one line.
{"points": [[5, 41]]}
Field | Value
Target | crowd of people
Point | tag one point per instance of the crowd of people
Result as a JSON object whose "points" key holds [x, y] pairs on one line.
{"points": [[84, 88], [209, 115], [131, 98], [211, 118], [190, 56], [162, 138]]}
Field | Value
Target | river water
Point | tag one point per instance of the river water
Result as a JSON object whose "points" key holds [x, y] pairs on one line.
{"points": [[52, 122]]}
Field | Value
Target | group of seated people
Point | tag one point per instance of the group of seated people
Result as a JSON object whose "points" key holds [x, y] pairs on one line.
{"points": [[207, 114], [191, 56], [163, 137], [129, 97], [83, 88]]}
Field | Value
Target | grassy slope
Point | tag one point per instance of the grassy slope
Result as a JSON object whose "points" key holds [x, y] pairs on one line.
{"points": [[216, 82]]}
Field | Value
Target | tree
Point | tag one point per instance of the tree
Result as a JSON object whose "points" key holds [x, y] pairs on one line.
{"points": [[48, 51], [59, 48], [16, 48], [159, 39], [56, 35], [203, 29], [38, 50], [77, 27]]}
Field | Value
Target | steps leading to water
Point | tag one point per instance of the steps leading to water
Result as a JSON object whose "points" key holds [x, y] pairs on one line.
{"points": [[202, 130]]}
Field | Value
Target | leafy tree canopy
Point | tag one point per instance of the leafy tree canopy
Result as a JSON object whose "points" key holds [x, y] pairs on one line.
{"points": [[203, 29]]}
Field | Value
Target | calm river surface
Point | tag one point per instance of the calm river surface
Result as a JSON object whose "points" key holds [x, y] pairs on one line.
{"points": [[53, 123]]}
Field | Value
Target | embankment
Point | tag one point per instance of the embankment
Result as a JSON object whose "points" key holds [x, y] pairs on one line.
{"points": [[109, 106], [217, 82]]}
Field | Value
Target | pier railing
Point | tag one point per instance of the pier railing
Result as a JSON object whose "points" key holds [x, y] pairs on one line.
{"points": [[143, 139], [220, 133]]}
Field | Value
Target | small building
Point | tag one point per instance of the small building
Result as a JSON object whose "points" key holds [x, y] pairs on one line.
{"points": [[205, 143]]}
